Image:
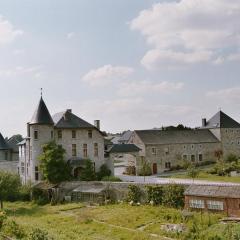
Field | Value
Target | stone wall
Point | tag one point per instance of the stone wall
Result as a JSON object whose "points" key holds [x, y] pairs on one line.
{"points": [[174, 153], [9, 166]]}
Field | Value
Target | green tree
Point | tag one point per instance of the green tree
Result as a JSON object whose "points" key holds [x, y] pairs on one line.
{"points": [[104, 171], [9, 186], [145, 169], [52, 164], [88, 172], [192, 171]]}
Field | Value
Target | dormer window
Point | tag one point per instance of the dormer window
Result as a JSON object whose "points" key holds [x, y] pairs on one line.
{"points": [[35, 135]]}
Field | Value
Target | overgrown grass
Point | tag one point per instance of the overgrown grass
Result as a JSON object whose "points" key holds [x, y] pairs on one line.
{"points": [[112, 222]]}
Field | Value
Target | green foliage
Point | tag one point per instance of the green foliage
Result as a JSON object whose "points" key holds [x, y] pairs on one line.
{"points": [[25, 193], [232, 158], [38, 234], [104, 171], [9, 186], [173, 195], [134, 194], [111, 179], [155, 194], [52, 164], [88, 172], [40, 196], [178, 127], [192, 171], [12, 229], [145, 169], [3, 217]]}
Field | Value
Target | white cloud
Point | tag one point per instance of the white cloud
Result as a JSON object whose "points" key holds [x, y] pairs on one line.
{"points": [[189, 31], [106, 74], [71, 35], [147, 87], [7, 31], [227, 95], [19, 70]]}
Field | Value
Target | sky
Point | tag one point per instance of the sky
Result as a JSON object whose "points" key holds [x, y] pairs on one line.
{"points": [[133, 64]]}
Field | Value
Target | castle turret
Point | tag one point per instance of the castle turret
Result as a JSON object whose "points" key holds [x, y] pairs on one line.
{"points": [[41, 131]]}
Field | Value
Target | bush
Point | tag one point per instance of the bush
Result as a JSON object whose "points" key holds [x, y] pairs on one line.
{"points": [[3, 217], [40, 197], [12, 229], [134, 194], [155, 194], [25, 193], [130, 170], [232, 158], [103, 172], [88, 173], [111, 179], [173, 196], [38, 234]]}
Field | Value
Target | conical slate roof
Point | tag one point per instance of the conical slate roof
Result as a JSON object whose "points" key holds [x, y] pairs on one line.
{"points": [[42, 115], [3, 143], [222, 120]]}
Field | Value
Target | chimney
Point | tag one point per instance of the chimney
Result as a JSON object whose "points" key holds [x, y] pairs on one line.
{"points": [[204, 122], [97, 124], [69, 110], [28, 129]]}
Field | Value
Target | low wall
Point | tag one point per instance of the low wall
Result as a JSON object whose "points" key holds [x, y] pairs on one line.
{"points": [[9, 166]]}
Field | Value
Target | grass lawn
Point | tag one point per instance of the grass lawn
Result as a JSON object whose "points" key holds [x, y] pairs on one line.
{"points": [[111, 222], [210, 177]]}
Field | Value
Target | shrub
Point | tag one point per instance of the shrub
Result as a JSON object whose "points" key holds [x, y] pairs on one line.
{"points": [[12, 229], [134, 194], [111, 179], [25, 193], [155, 194], [104, 171], [39, 196], [130, 170], [3, 217], [232, 158], [39, 234], [88, 173], [173, 196]]}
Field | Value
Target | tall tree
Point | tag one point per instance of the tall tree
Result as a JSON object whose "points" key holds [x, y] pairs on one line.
{"points": [[52, 164], [9, 186]]}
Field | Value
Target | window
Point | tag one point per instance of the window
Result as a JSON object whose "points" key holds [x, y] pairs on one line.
{"points": [[184, 147], [193, 158], [196, 203], [200, 146], [22, 168], [154, 151], [74, 150], [85, 152], [35, 134], [89, 133], [36, 173], [184, 157], [167, 165], [51, 134], [200, 157], [192, 146], [95, 150], [59, 134], [73, 133], [215, 205], [6, 155]]}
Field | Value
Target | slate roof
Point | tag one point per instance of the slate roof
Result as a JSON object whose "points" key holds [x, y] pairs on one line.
{"points": [[126, 136], [67, 119], [213, 191], [42, 115], [176, 136], [13, 143], [222, 120], [124, 148], [3, 143]]}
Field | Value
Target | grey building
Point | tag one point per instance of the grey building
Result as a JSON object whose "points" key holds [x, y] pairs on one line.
{"points": [[164, 149], [80, 139]]}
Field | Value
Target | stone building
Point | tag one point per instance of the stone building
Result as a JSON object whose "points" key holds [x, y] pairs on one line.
{"points": [[213, 199], [80, 139], [165, 149]]}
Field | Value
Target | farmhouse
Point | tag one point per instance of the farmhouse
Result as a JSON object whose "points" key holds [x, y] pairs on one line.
{"points": [[166, 149], [214, 199]]}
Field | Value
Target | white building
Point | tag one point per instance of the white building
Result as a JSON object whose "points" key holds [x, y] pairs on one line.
{"points": [[80, 139]]}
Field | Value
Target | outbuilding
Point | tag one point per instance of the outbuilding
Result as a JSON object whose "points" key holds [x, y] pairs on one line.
{"points": [[225, 199]]}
